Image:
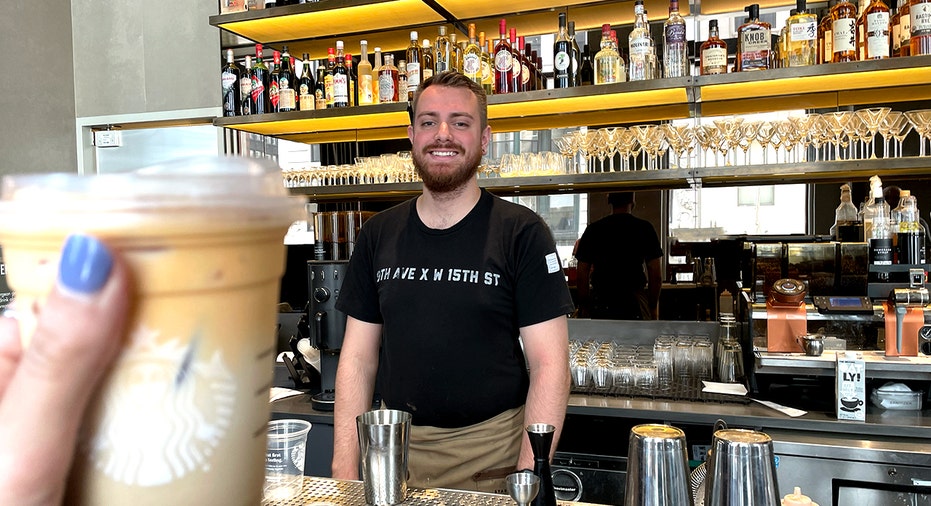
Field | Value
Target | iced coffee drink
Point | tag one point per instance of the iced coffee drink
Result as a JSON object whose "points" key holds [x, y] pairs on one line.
{"points": [[181, 418]]}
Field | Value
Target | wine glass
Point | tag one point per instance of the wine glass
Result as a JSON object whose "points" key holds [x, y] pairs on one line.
{"points": [[872, 119], [921, 121]]}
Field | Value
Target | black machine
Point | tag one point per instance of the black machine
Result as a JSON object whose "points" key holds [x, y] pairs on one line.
{"points": [[326, 324]]}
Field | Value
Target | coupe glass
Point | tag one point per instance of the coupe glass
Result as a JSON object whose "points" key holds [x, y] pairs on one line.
{"points": [[921, 120], [873, 118]]}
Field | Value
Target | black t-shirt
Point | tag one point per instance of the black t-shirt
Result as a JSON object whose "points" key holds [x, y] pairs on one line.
{"points": [[617, 247], [452, 303]]}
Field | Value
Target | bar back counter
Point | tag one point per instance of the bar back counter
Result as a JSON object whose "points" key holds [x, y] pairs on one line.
{"points": [[885, 459]]}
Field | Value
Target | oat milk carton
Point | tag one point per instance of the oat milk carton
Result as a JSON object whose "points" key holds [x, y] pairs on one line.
{"points": [[851, 387]]}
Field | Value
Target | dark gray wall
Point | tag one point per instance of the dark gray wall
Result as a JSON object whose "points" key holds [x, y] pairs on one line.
{"points": [[37, 121]]}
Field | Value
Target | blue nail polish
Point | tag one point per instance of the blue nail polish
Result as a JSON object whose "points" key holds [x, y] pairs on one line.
{"points": [[85, 264]]}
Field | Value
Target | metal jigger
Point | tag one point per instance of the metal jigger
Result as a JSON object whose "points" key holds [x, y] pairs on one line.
{"points": [[541, 440], [523, 487]]}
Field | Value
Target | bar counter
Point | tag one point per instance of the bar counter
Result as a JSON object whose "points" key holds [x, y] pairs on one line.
{"points": [[330, 492]]}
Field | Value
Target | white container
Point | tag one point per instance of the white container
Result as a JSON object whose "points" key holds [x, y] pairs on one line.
{"points": [[896, 396], [851, 387]]}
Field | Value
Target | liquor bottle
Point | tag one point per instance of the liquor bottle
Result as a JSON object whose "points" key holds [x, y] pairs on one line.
{"points": [[531, 62], [861, 22], [576, 56], [675, 45], [352, 81], [801, 37], [895, 29], [306, 85], [537, 70], [442, 51], [523, 48], [364, 75], [608, 64], [713, 52], [844, 32], [846, 221], [911, 234], [376, 66], [287, 80], [402, 81], [826, 35], [753, 42], [503, 61], [472, 58], [541, 84], [920, 29], [273, 81], [905, 32], [586, 70], [428, 60], [515, 60], [562, 55], [876, 31], [388, 81], [880, 236], [245, 88], [320, 88], [640, 46], [229, 82], [488, 66], [455, 54], [340, 78], [413, 59]]}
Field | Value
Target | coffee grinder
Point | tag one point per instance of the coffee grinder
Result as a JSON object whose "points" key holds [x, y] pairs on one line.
{"points": [[904, 315], [326, 324]]}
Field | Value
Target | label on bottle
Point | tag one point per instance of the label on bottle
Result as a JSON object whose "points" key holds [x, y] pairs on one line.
{"points": [[921, 19], [273, 93], [227, 80], [675, 33], [806, 30], [245, 87], [754, 43], [896, 38], [307, 100], [472, 65], [340, 89], [524, 73], [905, 31], [562, 61], [605, 68], [877, 40], [828, 46], [426, 73], [286, 101], [366, 95], [386, 88], [503, 60], [257, 89], [844, 35], [413, 77], [714, 60], [486, 72], [640, 46], [881, 251]]}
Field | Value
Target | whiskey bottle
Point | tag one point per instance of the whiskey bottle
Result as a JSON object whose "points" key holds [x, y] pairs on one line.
{"points": [[455, 54], [442, 50], [427, 61], [801, 37], [844, 32], [640, 46], [895, 30], [608, 64], [905, 30], [576, 56], [402, 81], [753, 42], [330, 68], [305, 86], [364, 73], [562, 55], [245, 88], [825, 35], [320, 88], [920, 29], [273, 81], [876, 31], [229, 83], [388, 81], [287, 80], [586, 69], [713, 52], [414, 57], [472, 58], [503, 61], [675, 45]]}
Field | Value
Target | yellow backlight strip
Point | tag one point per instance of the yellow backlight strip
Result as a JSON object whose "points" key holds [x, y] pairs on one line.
{"points": [[599, 102], [373, 17]]}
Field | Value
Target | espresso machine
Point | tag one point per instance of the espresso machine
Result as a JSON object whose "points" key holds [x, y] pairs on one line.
{"points": [[326, 324]]}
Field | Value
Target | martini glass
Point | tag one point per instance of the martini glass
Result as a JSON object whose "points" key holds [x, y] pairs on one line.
{"points": [[765, 136], [872, 119], [750, 131], [796, 132], [887, 126], [707, 137], [610, 138], [643, 134], [731, 131], [837, 125], [657, 144], [859, 133], [819, 135], [568, 146], [900, 131], [626, 142], [921, 120]]}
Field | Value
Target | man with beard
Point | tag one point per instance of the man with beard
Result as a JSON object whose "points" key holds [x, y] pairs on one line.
{"points": [[438, 292]]}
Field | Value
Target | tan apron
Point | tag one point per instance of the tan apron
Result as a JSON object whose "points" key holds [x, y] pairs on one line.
{"points": [[477, 457]]}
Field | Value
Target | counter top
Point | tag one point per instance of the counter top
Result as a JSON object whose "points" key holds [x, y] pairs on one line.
{"points": [[330, 492]]}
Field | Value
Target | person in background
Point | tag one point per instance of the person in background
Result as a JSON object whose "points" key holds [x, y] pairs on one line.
{"points": [[45, 388], [437, 293], [612, 255]]}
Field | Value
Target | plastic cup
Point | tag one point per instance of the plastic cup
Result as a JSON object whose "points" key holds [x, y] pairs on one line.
{"points": [[181, 416], [284, 459], [384, 439]]}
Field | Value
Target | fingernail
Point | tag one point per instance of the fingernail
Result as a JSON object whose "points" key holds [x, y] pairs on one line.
{"points": [[85, 264]]}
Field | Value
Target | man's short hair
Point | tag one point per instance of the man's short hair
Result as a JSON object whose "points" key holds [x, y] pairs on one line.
{"points": [[454, 79], [621, 199]]}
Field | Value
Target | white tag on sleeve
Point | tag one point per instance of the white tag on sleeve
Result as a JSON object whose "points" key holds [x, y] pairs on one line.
{"points": [[552, 263]]}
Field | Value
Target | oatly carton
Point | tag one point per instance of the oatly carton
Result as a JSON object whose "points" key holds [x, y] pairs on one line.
{"points": [[851, 387]]}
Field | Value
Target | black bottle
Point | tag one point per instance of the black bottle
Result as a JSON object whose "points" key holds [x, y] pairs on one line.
{"points": [[586, 70]]}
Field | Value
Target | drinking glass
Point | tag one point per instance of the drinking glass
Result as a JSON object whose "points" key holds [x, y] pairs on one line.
{"points": [[837, 124], [764, 136], [656, 144], [750, 130], [709, 138], [900, 131], [890, 123], [682, 361], [702, 359], [663, 358], [921, 120], [872, 119], [731, 131], [643, 134]]}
